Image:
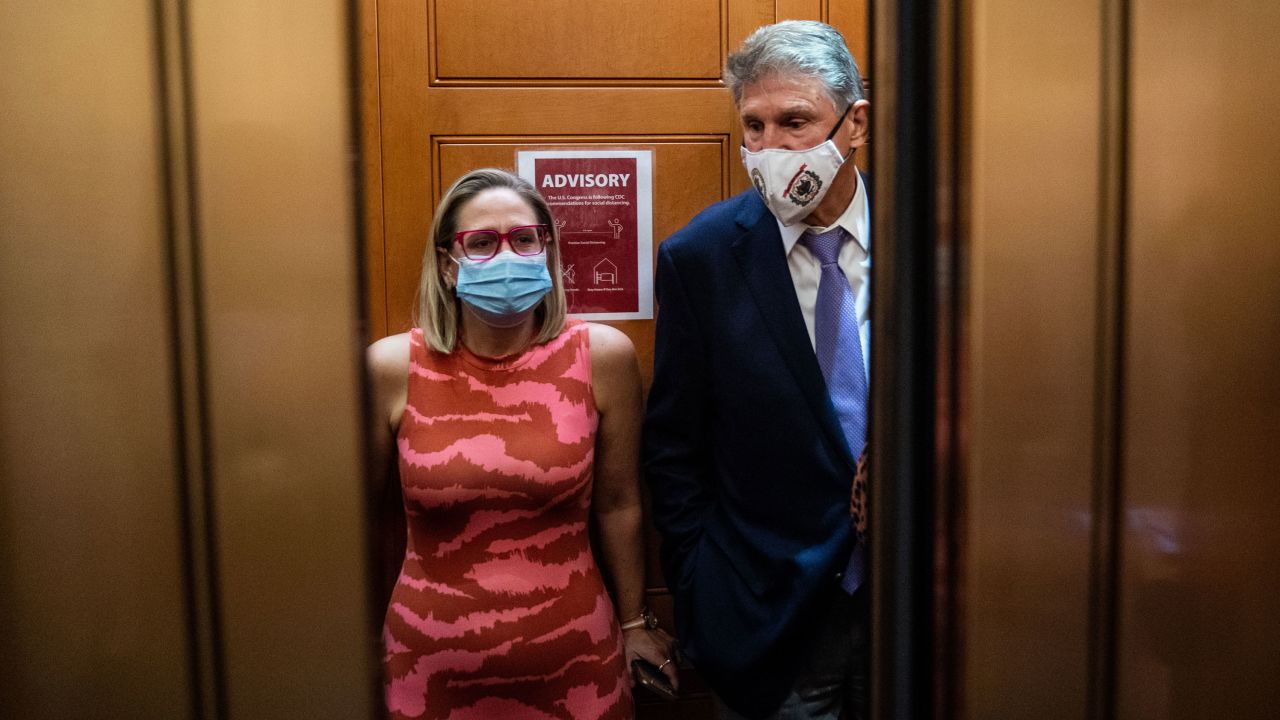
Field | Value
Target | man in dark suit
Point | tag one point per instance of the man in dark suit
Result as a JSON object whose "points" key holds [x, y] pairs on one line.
{"points": [[757, 415]]}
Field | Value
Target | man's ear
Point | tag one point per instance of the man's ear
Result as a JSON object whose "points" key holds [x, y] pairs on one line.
{"points": [[859, 118]]}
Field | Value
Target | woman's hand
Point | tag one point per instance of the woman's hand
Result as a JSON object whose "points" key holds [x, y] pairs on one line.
{"points": [[654, 645], [615, 380]]}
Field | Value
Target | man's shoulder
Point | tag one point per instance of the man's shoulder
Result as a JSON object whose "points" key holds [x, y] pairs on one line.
{"points": [[719, 222]]}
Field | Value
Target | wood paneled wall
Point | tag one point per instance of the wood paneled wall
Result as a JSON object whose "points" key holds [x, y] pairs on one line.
{"points": [[546, 74]]}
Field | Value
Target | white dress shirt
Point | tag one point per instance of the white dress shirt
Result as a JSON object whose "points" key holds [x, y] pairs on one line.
{"points": [[854, 260]]}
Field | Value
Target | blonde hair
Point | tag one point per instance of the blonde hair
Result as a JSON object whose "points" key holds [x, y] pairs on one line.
{"points": [[436, 308]]}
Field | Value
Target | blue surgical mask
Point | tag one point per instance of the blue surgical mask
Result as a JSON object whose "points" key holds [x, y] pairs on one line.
{"points": [[503, 291]]}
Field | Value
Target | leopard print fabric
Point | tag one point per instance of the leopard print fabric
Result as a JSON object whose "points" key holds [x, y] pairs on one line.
{"points": [[858, 499]]}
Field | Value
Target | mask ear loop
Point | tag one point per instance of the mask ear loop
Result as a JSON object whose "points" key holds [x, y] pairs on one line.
{"points": [[449, 279], [832, 133], [843, 115]]}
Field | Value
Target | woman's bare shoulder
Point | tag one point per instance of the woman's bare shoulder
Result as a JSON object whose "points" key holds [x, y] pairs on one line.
{"points": [[388, 359], [609, 344], [613, 362]]}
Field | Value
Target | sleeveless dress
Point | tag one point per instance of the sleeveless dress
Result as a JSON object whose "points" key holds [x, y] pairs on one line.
{"points": [[500, 610]]}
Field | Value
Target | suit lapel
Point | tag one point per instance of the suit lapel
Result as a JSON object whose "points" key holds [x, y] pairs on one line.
{"points": [[758, 252]]}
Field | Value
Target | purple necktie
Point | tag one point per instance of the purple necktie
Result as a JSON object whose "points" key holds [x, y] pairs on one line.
{"points": [[838, 344]]}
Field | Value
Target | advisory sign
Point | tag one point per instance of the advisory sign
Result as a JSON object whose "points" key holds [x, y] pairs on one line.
{"points": [[602, 201]]}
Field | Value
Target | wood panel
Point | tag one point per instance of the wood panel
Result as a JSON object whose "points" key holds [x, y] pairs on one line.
{"points": [[604, 114], [370, 117], [651, 40], [693, 169], [850, 18], [411, 111]]}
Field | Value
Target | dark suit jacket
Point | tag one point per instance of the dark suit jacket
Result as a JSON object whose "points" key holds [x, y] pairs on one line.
{"points": [[743, 454]]}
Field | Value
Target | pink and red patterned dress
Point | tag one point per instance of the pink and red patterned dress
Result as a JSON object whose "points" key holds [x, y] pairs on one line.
{"points": [[500, 610]]}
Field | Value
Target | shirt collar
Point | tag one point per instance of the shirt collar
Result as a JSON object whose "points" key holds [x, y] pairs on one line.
{"points": [[856, 220]]}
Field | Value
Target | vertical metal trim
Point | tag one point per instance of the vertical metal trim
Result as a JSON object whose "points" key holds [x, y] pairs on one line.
{"points": [[1108, 510], [198, 335], [373, 549], [904, 359], [174, 203], [949, 241], [186, 327]]}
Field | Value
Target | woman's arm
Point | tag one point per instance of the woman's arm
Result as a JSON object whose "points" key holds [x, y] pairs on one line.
{"points": [[387, 364], [615, 379]]}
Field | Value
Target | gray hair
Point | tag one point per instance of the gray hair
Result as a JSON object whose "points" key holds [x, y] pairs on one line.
{"points": [[796, 47], [436, 309]]}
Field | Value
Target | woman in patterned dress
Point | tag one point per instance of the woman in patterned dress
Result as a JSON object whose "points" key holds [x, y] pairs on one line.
{"points": [[514, 429]]}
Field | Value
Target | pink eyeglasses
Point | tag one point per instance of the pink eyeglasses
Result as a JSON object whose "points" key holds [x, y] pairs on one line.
{"points": [[484, 244]]}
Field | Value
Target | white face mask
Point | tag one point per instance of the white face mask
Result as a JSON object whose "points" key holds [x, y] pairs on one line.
{"points": [[793, 182]]}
